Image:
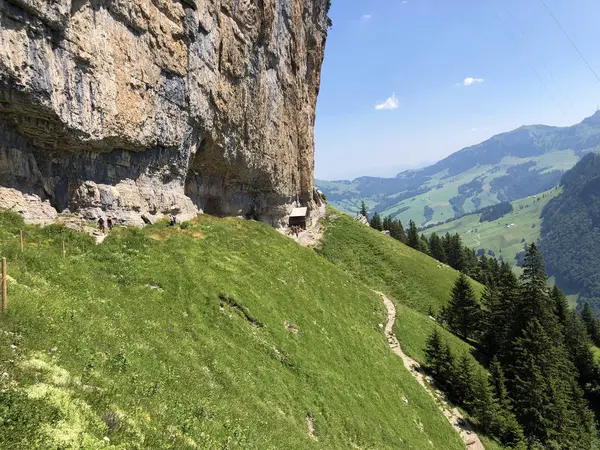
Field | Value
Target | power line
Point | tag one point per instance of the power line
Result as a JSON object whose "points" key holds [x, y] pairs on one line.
{"points": [[570, 40], [537, 74], [544, 65]]}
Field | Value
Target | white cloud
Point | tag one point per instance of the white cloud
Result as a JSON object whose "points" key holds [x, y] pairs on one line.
{"points": [[366, 17], [477, 129], [470, 81], [390, 103]]}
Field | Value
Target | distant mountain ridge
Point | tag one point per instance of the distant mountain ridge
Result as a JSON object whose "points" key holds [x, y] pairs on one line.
{"points": [[508, 166]]}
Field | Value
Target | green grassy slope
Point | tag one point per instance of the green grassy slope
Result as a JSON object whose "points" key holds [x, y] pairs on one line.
{"points": [[413, 280], [417, 282], [411, 277], [505, 235], [185, 338]]}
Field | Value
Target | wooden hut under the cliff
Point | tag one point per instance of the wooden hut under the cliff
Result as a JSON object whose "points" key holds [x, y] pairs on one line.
{"points": [[299, 217]]}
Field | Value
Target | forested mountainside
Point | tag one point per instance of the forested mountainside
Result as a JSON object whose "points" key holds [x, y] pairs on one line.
{"points": [[517, 360], [570, 232], [509, 166]]}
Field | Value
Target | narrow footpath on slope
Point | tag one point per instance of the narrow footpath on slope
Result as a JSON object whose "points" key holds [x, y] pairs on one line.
{"points": [[454, 416]]}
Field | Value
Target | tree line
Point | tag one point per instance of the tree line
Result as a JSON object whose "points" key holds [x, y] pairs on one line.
{"points": [[448, 249], [543, 385]]}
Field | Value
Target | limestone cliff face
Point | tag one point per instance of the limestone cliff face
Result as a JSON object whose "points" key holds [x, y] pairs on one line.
{"points": [[151, 107]]}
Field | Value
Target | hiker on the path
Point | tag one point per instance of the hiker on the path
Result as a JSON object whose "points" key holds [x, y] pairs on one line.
{"points": [[172, 221], [101, 223], [109, 223]]}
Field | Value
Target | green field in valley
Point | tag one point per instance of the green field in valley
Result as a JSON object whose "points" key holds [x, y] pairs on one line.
{"points": [[505, 237]]}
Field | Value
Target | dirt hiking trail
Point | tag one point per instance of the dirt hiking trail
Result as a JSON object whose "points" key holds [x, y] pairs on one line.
{"points": [[454, 416]]}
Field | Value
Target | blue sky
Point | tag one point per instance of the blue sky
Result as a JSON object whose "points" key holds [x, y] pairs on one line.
{"points": [[461, 71]]}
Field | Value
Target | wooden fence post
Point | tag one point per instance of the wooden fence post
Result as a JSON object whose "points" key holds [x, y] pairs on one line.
{"points": [[4, 298], [63, 249]]}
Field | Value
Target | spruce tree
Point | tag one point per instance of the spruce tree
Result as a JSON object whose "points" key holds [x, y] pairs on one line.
{"points": [[463, 313], [401, 232], [498, 383], [397, 230], [424, 244], [528, 384], [363, 210], [436, 249], [387, 223], [446, 371], [454, 251], [506, 427], [534, 298], [376, 222], [487, 279], [493, 323], [494, 269], [561, 306], [591, 323], [484, 406], [578, 342], [462, 391], [433, 353], [546, 399], [413, 239]]}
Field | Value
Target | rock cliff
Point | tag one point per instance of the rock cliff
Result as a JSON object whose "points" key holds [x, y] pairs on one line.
{"points": [[142, 108]]}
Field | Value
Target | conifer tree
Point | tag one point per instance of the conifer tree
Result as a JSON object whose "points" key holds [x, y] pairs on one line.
{"points": [[412, 238], [397, 230], [433, 353], [436, 249], [534, 298], [439, 360], [591, 323], [561, 306], [577, 342], [493, 323], [484, 407], [387, 223], [529, 391], [506, 427], [424, 244], [487, 279], [376, 222], [463, 313], [446, 367], [462, 381], [363, 210], [454, 251], [494, 269], [498, 383], [545, 396]]}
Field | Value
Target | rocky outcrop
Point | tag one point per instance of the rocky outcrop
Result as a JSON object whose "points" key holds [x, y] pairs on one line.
{"points": [[152, 107]]}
